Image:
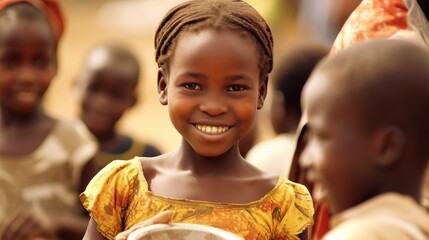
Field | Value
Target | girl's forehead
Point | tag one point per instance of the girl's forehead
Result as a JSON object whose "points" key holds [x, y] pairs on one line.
{"points": [[30, 33], [14, 30], [213, 40], [215, 45]]}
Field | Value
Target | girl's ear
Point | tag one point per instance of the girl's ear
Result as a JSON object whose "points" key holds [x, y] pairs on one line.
{"points": [[263, 86], [162, 86]]}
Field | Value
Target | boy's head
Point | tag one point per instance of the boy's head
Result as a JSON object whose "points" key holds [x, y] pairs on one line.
{"points": [[28, 44], [294, 69], [368, 122], [220, 15], [107, 86]]}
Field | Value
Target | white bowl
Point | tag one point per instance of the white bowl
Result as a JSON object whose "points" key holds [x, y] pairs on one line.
{"points": [[181, 231]]}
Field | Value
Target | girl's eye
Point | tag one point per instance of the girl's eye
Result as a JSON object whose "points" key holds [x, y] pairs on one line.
{"points": [[236, 88], [10, 61], [41, 62], [192, 86]]}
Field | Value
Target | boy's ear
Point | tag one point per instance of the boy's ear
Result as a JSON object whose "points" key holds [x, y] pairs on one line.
{"points": [[263, 88], [389, 143], [162, 86]]}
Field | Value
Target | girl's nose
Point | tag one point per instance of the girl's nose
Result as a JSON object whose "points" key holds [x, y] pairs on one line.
{"points": [[102, 101], [27, 75], [213, 105]]}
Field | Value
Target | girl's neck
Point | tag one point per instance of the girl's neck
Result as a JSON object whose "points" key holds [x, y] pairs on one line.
{"points": [[8, 118], [229, 162]]}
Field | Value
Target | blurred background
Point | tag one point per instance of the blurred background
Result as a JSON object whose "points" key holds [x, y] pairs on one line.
{"points": [[133, 22]]}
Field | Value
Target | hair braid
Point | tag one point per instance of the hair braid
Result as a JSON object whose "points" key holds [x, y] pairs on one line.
{"points": [[197, 15]]}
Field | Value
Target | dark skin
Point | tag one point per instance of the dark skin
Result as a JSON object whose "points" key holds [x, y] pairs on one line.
{"points": [[27, 66], [217, 87], [107, 85], [345, 144]]}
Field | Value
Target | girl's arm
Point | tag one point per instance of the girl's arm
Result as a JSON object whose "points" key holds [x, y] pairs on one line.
{"points": [[92, 233]]}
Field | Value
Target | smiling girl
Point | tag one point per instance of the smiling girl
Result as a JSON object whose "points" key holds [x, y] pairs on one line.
{"points": [[214, 57]]}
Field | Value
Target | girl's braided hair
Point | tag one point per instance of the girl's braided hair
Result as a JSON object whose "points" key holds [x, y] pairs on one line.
{"points": [[197, 15]]}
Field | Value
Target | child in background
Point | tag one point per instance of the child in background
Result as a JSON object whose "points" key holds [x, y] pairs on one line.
{"points": [[274, 155], [44, 162], [368, 145], [214, 57], [107, 87]]}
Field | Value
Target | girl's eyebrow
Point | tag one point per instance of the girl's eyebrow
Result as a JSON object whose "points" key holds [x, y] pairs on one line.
{"points": [[237, 77], [193, 75], [197, 75]]}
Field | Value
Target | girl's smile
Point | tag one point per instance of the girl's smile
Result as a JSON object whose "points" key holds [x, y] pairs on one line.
{"points": [[212, 130]]}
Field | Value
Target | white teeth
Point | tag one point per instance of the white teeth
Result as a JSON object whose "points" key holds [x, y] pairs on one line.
{"points": [[212, 129]]}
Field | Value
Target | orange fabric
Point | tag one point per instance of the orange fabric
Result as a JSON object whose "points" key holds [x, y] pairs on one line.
{"points": [[51, 8], [372, 19]]}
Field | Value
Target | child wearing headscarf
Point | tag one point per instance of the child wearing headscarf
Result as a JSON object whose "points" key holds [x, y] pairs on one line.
{"points": [[44, 162]]}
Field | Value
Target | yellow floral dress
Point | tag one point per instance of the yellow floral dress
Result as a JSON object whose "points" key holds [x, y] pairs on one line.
{"points": [[118, 198]]}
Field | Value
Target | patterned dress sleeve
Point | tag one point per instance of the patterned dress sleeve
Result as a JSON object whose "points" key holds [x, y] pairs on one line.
{"points": [[298, 212], [109, 194]]}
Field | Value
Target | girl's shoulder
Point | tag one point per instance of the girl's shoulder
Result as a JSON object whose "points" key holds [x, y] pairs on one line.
{"points": [[285, 189], [127, 170], [151, 166]]}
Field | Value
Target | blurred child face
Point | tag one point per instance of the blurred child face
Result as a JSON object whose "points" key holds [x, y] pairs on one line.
{"points": [[108, 91], [27, 64], [337, 157], [213, 89]]}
